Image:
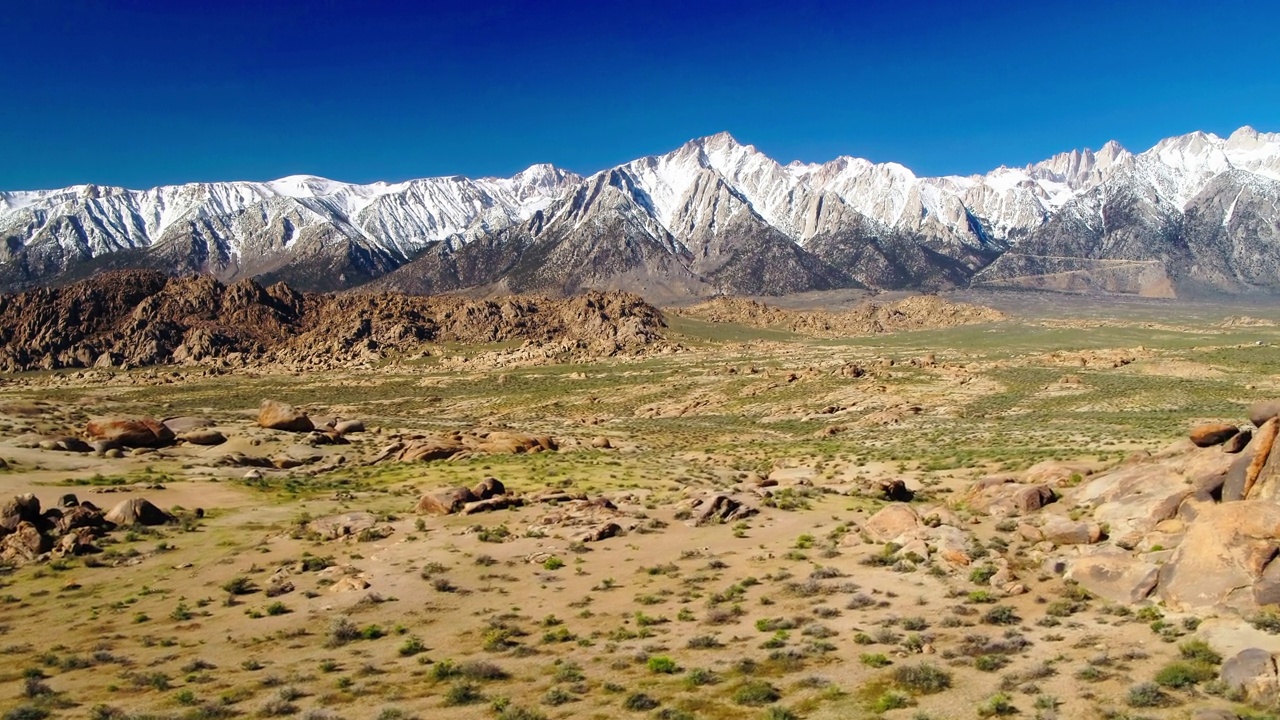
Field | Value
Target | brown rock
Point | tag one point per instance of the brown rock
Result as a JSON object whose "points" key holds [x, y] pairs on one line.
{"points": [[130, 432], [346, 427], [601, 442], [489, 487], [24, 544], [1211, 434], [892, 521], [275, 415], [444, 502], [137, 511], [335, 527], [1226, 553], [1062, 531], [497, 502], [20, 509], [1114, 575], [1252, 672], [1238, 442], [1262, 445], [599, 532], [896, 491], [1264, 410], [203, 437], [721, 509]]}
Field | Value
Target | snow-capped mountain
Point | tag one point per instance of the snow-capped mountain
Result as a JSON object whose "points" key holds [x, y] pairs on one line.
{"points": [[1194, 213]]}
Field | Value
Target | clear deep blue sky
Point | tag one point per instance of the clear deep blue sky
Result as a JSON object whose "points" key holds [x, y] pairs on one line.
{"points": [[145, 93]]}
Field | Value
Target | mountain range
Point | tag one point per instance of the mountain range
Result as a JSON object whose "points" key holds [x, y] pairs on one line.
{"points": [[1194, 215]]}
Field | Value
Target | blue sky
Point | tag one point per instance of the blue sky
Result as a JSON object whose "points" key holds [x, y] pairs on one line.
{"points": [[143, 93]]}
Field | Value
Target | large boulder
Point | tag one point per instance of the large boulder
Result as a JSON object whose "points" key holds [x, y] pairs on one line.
{"points": [[1064, 531], [1252, 673], [892, 521], [335, 527], [720, 509], [346, 427], [1003, 497], [1260, 479], [1225, 560], [1264, 410], [488, 487], [137, 511], [130, 432], [275, 415], [1211, 434], [19, 509], [445, 502], [1113, 574], [1238, 442], [24, 544]]}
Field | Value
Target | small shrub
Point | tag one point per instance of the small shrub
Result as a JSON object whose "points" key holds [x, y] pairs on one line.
{"points": [[756, 692], [663, 665], [875, 660], [463, 693], [239, 585], [1145, 695], [922, 679], [1184, 674], [639, 702]]}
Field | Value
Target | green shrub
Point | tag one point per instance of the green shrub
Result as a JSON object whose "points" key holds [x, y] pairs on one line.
{"points": [[756, 692], [463, 693], [663, 665], [639, 702], [1146, 695], [1199, 651], [922, 679], [1184, 674], [875, 660]]}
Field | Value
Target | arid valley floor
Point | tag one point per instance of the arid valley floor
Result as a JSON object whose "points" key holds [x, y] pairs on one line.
{"points": [[756, 517]]}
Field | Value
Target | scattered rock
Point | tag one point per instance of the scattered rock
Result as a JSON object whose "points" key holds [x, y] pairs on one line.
{"points": [[1003, 497], [1211, 434], [275, 415], [335, 527]]}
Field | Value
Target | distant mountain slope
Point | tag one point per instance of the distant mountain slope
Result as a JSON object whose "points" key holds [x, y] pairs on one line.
{"points": [[1194, 214]]}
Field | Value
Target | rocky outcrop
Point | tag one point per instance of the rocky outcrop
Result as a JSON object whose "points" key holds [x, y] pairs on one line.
{"points": [[914, 313], [445, 502], [137, 318], [137, 511]]}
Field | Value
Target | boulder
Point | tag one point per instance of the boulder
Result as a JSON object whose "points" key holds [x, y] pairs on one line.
{"points": [[892, 521], [1224, 560], [180, 425], [1260, 479], [24, 544], [1002, 497], [497, 502], [1238, 442], [720, 509], [80, 516], [75, 543], [1062, 531], [275, 415], [66, 443], [1211, 434], [1113, 574], [130, 432], [600, 442], [896, 491], [598, 533], [20, 509], [489, 487], [203, 437], [346, 427], [1252, 672], [68, 500], [334, 527], [444, 502], [1264, 410], [137, 511], [433, 448]]}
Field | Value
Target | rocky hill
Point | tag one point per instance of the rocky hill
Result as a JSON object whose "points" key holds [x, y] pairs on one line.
{"points": [[1195, 214], [869, 318], [136, 317]]}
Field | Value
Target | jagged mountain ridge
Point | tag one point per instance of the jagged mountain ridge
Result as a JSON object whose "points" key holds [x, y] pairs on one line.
{"points": [[1195, 213]]}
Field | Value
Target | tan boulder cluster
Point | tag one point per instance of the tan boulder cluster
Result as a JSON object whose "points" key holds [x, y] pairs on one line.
{"points": [[29, 533], [1193, 526]]}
